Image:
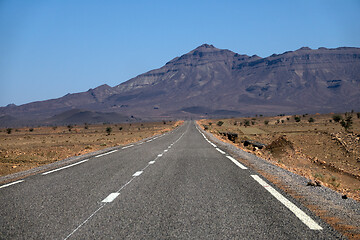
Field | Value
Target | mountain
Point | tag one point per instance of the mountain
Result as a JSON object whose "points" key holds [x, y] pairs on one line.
{"points": [[212, 82], [77, 116]]}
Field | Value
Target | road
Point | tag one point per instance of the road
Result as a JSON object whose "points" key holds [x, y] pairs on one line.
{"points": [[175, 186]]}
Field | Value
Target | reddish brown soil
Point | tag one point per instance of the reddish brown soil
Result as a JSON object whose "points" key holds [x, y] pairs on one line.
{"points": [[26, 148], [321, 150]]}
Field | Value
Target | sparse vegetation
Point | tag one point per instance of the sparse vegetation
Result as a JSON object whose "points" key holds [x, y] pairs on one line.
{"points": [[347, 123], [108, 130], [297, 119], [31, 129], [319, 176], [337, 118], [24, 149], [8, 130], [220, 123], [246, 123], [320, 151]]}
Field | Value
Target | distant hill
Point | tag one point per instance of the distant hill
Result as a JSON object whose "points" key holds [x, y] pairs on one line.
{"points": [[77, 116], [212, 82]]}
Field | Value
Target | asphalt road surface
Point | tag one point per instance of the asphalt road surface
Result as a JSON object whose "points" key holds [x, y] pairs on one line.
{"points": [[175, 186]]}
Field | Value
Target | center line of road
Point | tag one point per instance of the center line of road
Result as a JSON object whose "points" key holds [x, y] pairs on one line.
{"points": [[9, 184], [308, 221], [111, 197], [138, 173], [71, 165]]}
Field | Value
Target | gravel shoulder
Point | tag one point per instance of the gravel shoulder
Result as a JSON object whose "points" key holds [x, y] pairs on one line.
{"points": [[341, 214]]}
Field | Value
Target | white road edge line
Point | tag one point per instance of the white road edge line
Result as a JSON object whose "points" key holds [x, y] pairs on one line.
{"points": [[110, 198], [128, 146], [236, 162], [71, 165], [104, 154], [219, 150], [9, 184], [308, 221]]}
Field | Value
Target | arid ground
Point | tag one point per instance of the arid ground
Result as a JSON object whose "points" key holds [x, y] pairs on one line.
{"points": [[25, 148], [314, 146]]}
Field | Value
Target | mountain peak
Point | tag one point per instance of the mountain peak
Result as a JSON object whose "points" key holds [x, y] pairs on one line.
{"points": [[205, 45]]}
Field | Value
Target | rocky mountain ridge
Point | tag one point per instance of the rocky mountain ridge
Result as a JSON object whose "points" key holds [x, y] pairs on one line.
{"points": [[212, 82]]}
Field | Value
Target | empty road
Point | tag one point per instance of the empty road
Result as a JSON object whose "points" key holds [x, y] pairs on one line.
{"points": [[175, 186]]}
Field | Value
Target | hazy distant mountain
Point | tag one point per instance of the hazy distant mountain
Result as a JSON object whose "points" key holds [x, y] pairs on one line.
{"points": [[215, 82]]}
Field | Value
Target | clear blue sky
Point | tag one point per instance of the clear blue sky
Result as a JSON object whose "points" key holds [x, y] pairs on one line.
{"points": [[53, 47]]}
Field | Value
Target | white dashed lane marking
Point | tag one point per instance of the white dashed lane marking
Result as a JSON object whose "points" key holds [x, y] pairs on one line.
{"points": [[138, 173], [110, 198]]}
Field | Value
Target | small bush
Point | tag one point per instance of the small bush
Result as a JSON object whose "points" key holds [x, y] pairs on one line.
{"points": [[108, 130], [120, 128], [337, 118], [311, 120], [9, 130], [220, 123], [347, 123], [297, 119], [246, 123], [31, 129], [266, 122], [358, 115], [69, 127]]}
